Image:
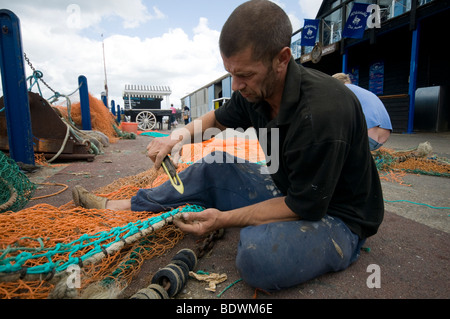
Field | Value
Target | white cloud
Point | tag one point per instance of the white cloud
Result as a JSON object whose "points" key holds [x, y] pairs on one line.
{"points": [[158, 13], [310, 8], [295, 21], [279, 3], [83, 13], [293, 15], [56, 46], [58, 38], [173, 59]]}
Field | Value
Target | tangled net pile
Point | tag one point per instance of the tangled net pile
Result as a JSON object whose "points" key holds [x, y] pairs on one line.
{"points": [[15, 188], [39, 244], [102, 119], [419, 160]]}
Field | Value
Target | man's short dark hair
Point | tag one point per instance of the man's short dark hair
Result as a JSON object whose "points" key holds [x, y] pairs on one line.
{"points": [[258, 23]]}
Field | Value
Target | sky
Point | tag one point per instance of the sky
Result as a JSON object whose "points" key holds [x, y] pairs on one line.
{"points": [[146, 42]]}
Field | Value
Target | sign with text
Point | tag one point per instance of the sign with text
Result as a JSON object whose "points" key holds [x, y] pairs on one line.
{"points": [[309, 33], [357, 21]]}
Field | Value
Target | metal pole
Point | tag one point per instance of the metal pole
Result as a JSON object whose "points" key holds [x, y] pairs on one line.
{"points": [[106, 79], [413, 76], [104, 100], [113, 107], [84, 102], [17, 106], [345, 62], [119, 118]]}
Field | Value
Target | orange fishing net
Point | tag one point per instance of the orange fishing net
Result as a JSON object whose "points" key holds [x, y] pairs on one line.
{"points": [[248, 149], [47, 226], [394, 165], [424, 165], [102, 119], [44, 226]]}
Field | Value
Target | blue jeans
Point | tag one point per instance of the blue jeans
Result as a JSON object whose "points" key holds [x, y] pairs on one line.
{"points": [[374, 145], [272, 256], [219, 181], [281, 255]]}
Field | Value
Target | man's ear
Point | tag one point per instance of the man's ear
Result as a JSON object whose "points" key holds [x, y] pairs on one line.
{"points": [[281, 61]]}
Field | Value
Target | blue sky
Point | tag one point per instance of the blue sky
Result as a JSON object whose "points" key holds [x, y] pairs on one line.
{"points": [[147, 42], [177, 14], [185, 14]]}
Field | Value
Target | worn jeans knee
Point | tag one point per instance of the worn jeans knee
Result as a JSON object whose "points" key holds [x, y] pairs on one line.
{"points": [[281, 255], [220, 181]]}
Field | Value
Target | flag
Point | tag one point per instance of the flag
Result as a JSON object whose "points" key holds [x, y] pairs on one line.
{"points": [[357, 21], [309, 33]]}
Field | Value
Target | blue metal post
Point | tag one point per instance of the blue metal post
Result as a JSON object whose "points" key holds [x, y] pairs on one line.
{"points": [[345, 62], [84, 102], [118, 114], [17, 106], [104, 100], [113, 107], [413, 76]]}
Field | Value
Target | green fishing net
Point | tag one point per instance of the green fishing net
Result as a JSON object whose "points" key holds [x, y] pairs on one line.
{"points": [[15, 188]]}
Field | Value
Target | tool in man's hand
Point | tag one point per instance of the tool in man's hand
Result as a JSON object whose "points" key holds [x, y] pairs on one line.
{"points": [[173, 175]]}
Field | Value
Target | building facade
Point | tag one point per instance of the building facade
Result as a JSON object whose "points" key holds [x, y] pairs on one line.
{"points": [[404, 60], [208, 97]]}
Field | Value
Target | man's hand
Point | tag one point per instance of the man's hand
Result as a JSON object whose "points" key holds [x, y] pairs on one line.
{"points": [[269, 211], [200, 223], [159, 148]]}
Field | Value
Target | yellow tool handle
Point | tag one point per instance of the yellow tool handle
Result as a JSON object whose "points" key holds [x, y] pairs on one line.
{"points": [[170, 170]]}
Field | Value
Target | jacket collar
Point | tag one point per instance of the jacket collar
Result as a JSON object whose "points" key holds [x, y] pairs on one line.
{"points": [[291, 94]]}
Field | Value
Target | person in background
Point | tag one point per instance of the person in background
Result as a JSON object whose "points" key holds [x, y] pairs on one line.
{"points": [[173, 119], [378, 121], [186, 115]]}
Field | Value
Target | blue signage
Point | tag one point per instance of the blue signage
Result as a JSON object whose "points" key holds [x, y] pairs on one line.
{"points": [[357, 21], [309, 33]]}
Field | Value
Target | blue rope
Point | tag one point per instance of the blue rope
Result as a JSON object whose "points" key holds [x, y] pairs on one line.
{"points": [[36, 76], [421, 204]]}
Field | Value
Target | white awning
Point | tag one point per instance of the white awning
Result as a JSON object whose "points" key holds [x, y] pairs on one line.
{"points": [[146, 91]]}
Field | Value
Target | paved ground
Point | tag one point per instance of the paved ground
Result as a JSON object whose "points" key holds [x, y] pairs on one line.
{"points": [[411, 248]]}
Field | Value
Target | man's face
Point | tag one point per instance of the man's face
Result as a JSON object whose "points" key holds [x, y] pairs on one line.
{"points": [[253, 79]]}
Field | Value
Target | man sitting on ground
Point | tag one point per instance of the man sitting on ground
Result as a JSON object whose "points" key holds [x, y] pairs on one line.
{"points": [[323, 198]]}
